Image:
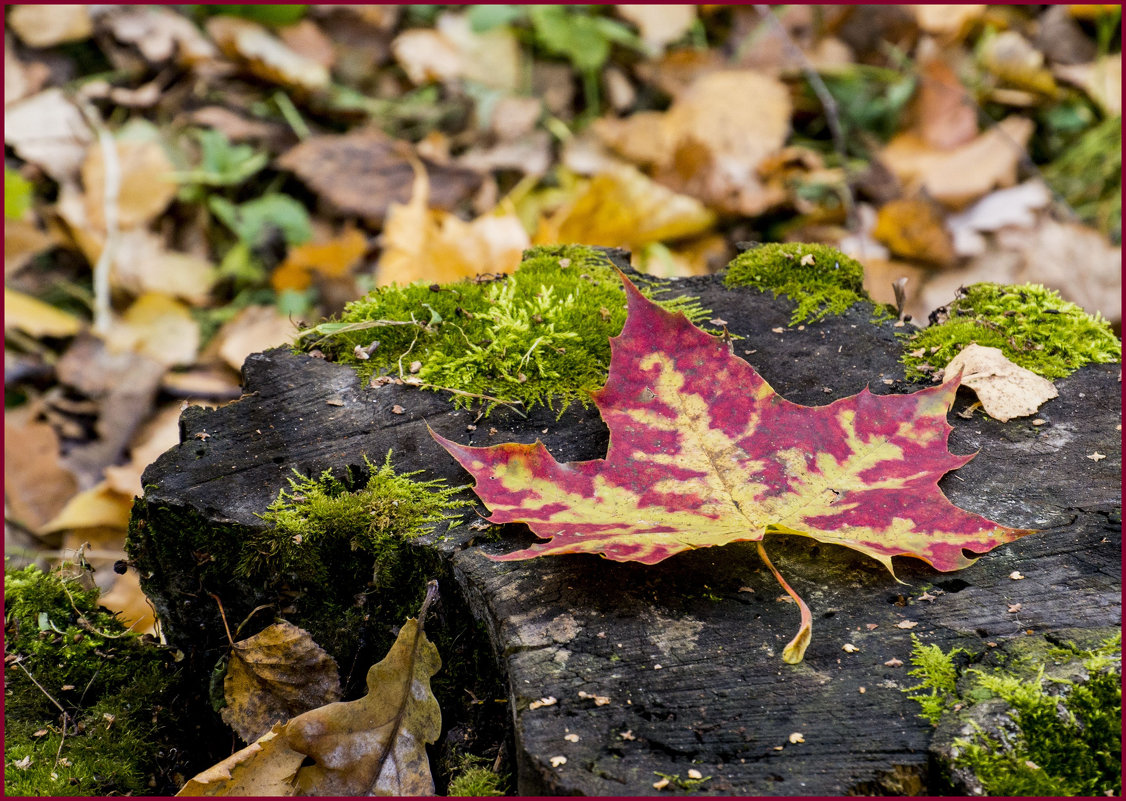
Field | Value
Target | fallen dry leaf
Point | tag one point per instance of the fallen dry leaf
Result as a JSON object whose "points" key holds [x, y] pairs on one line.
{"points": [[159, 34], [1014, 61], [906, 624], [267, 767], [1005, 390], [142, 263], [50, 25], [49, 131], [1014, 608], [39, 319], [549, 700], [145, 176], [332, 258], [365, 172], [23, 241], [948, 21], [945, 115], [558, 761], [128, 600], [959, 176], [659, 25], [1096, 456], [254, 329], [707, 146], [622, 207], [37, 485], [453, 50], [372, 746], [420, 243], [893, 662], [1101, 80], [914, 228], [97, 507], [849, 648], [1016, 575], [265, 55], [157, 326], [274, 676]]}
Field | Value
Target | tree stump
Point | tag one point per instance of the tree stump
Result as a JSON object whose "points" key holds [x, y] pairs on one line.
{"points": [[687, 652]]}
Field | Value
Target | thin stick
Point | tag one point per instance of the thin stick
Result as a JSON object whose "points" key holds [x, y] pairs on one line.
{"points": [[110, 194], [223, 615], [828, 103], [40, 686], [795, 649]]}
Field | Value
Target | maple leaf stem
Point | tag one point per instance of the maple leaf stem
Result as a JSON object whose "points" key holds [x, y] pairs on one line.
{"points": [[795, 649]]}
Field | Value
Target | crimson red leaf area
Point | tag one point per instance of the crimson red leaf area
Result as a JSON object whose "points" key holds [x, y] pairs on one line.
{"points": [[704, 452]]}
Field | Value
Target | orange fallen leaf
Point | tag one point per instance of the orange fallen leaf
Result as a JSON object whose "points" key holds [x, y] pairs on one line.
{"points": [[332, 258], [914, 228]]}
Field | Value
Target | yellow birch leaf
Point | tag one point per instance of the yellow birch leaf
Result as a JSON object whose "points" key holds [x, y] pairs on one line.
{"points": [[33, 316], [98, 506], [425, 244], [274, 676], [157, 326], [146, 184]]}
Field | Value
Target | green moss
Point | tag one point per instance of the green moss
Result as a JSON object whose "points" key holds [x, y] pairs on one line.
{"points": [[470, 777], [1058, 735], [537, 337], [1033, 326], [938, 676], [118, 694], [1088, 175], [321, 517], [819, 278]]}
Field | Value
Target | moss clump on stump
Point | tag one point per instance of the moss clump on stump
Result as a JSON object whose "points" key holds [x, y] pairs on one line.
{"points": [[540, 336], [819, 279], [1031, 720], [116, 731], [1033, 326]]}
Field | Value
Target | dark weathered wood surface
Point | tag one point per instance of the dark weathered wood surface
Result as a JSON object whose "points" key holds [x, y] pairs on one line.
{"points": [[688, 651]]}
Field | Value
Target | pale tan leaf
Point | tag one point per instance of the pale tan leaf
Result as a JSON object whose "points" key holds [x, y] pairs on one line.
{"points": [[659, 25], [50, 132], [37, 485], [265, 55], [146, 182], [159, 34], [1016, 63], [98, 506], [50, 25], [157, 326], [253, 329], [1101, 80], [948, 21], [267, 767], [23, 241], [39, 319], [453, 50], [959, 176], [274, 676], [1006, 390], [376, 745], [142, 263], [129, 602], [712, 140]]}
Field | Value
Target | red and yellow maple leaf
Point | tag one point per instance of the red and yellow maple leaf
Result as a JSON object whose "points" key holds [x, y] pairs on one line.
{"points": [[704, 452]]}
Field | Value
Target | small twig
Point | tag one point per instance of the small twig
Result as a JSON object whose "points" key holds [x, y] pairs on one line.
{"points": [[110, 195], [50, 697], [58, 753], [83, 623], [223, 615], [828, 103]]}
